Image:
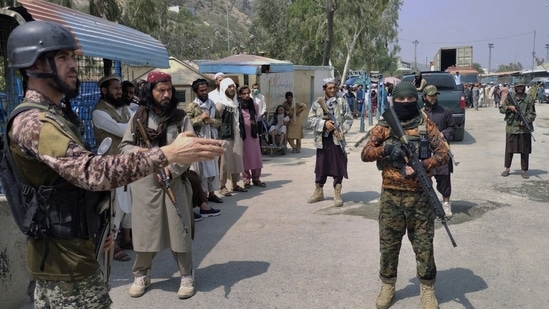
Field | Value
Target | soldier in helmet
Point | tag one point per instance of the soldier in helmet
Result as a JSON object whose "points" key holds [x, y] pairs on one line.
{"points": [[518, 138], [403, 206], [51, 156]]}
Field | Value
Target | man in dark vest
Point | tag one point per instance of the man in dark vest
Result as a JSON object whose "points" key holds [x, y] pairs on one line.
{"points": [[50, 155], [110, 119]]}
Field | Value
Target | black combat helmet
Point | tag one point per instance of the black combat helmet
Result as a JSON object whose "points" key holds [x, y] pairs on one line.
{"points": [[30, 40]]}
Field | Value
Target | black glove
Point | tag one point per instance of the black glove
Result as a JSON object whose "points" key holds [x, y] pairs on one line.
{"points": [[394, 152]]}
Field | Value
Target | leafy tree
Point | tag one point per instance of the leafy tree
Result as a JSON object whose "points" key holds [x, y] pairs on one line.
{"points": [[368, 32], [108, 9], [331, 7], [65, 3], [510, 67], [365, 32], [478, 67]]}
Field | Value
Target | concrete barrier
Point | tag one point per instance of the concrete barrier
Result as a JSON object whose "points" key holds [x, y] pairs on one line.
{"points": [[14, 278]]}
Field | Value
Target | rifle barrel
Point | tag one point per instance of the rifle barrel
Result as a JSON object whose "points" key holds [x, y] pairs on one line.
{"points": [[163, 177]]}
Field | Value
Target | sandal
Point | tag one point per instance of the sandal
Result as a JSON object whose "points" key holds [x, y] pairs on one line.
{"points": [[505, 173], [127, 246], [120, 255], [259, 183], [223, 191], [239, 189]]}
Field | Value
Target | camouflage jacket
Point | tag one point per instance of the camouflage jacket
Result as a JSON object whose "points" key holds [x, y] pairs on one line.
{"points": [[513, 123], [44, 152], [392, 178]]}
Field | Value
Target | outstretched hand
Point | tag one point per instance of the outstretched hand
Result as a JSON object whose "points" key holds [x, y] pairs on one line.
{"points": [[187, 148]]}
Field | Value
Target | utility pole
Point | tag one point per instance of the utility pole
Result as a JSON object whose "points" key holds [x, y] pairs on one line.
{"points": [[534, 54], [547, 55], [490, 46], [228, 34], [415, 53]]}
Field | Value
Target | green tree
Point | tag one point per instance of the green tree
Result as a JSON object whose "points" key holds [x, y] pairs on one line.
{"points": [[368, 34], [109, 9], [331, 7], [478, 67], [65, 3], [365, 32], [510, 67]]}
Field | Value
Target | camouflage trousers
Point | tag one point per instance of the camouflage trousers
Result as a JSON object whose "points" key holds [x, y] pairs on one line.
{"points": [[403, 212], [87, 293]]}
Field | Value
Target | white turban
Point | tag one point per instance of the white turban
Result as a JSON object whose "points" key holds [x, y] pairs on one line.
{"points": [[329, 80], [218, 74], [225, 100]]}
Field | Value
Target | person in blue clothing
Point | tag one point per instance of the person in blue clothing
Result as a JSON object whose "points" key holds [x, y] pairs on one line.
{"points": [[350, 96], [541, 90], [359, 100]]}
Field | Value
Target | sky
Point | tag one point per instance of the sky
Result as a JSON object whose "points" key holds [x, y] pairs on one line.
{"points": [[508, 24]]}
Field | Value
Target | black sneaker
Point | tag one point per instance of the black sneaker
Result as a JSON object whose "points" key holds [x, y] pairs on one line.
{"points": [[212, 212], [215, 199], [197, 217]]}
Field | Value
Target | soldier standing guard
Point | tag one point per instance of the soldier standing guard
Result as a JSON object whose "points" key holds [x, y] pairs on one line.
{"points": [[329, 139]]}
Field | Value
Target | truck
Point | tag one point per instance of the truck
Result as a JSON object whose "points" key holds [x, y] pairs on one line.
{"points": [[451, 96], [457, 57]]}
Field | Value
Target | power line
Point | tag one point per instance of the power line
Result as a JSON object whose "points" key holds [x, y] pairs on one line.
{"points": [[472, 41]]}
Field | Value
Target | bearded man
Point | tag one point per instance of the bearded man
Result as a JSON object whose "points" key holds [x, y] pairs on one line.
{"points": [[110, 118], [158, 222], [518, 137], [444, 120]]}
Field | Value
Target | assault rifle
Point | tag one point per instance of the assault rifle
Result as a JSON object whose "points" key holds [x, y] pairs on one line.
{"points": [[107, 225], [409, 149], [163, 177], [520, 115], [333, 118]]}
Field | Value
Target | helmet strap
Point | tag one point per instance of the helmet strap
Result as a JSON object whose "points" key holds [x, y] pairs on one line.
{"points": [[69, 93]]}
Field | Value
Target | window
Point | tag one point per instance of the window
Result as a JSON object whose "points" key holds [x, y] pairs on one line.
{"points": [[180, 95]]}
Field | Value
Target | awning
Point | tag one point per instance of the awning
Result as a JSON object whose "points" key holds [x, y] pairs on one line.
{"points": [[246, 64], [98, 37]]}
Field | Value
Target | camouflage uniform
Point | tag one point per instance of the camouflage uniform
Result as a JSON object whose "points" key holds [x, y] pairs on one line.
{"points": [[517, 137], [44, 147], [403, 206], [89, 293]]}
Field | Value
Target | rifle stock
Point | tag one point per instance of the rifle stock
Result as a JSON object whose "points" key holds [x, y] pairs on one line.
{"points": [[394, 123], [163, 177], [521, 115]]}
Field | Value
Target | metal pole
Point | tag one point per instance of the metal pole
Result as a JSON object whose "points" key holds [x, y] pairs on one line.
{"points": [[547, 55], [534, 54], [415, 53], [490, 46]]}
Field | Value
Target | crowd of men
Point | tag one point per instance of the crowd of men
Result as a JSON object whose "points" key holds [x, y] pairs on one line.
{"points": [[163, 161]]}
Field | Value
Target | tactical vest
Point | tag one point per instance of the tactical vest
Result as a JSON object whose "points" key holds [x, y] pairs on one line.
{"points": [[101, 134], [54, 207], [421, 145]]}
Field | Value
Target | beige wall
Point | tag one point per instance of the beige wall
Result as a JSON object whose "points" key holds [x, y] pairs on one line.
{"points": [[14, 278], [308, 81]]}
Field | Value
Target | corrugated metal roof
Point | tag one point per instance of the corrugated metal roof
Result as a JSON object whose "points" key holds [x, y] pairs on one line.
{"points": [[245, 64], [101, 38], [181, 72]]}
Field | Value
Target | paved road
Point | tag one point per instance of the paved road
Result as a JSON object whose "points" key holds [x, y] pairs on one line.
{"points": [[270, 249]]}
